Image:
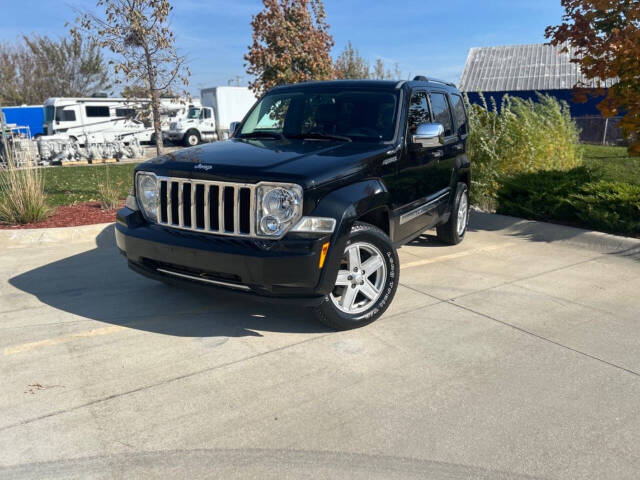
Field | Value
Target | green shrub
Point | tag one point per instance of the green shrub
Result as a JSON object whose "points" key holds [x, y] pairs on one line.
{"points": [[520, 136], [577, 197]]}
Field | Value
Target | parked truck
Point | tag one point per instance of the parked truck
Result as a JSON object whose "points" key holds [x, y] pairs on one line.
{"points": [[212, 121]]}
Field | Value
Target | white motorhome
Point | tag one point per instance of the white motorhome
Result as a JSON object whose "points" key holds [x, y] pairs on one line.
{"points": [[220, 107], [96, 118]]}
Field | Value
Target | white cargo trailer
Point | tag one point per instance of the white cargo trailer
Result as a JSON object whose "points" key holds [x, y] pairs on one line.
{"points": [[229, 104], [220, 107]]}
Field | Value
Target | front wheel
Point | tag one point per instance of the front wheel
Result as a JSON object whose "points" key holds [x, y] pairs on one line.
{"points": [[191, 139], [366, 283]]}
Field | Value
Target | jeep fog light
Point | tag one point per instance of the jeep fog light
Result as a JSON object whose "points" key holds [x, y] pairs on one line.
{"points": [[279, 206], [147, 194]]}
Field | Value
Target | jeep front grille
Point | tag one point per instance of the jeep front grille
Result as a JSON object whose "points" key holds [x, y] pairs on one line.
{"points": [[222, 208]]}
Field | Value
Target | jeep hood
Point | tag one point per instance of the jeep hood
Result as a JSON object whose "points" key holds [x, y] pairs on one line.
{"points": [[308, 163]]}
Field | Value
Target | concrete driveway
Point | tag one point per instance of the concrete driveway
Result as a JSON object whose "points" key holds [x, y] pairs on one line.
{"points": [[508, 356]]}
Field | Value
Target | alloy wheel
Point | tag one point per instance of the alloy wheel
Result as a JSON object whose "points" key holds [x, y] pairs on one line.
{"points": [[463, 213], [361, 278]]}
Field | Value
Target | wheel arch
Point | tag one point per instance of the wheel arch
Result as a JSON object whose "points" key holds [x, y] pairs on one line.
{"points": [[364, 201]]}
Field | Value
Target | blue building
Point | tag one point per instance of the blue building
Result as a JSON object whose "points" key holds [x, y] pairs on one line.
{"points": [[31, 116], [524, 70]]}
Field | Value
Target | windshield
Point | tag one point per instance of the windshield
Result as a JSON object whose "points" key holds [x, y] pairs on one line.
{"points": [[193, 113], [48, 113], [356, 115]]}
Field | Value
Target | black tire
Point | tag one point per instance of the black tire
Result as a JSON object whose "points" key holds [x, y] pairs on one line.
{"points": [[329, 313], [189, 136], [449, 232]]}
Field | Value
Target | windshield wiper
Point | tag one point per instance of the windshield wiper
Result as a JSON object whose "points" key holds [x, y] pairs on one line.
{"points": [[320, 136], [259, 134]]}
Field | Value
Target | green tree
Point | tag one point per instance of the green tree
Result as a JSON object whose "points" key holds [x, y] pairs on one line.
{"points": [[380, 73], [291, 43], [138, 33], [350, 65], [606, 37], [39, 67]]}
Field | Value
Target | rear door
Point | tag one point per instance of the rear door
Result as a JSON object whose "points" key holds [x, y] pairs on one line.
{"points": [[441, 113]]}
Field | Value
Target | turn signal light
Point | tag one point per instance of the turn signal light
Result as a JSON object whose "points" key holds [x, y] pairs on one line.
{"points": [[323, 254]]}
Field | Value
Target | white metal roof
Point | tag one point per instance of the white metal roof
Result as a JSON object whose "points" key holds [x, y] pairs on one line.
{"points": [[522, 67]]}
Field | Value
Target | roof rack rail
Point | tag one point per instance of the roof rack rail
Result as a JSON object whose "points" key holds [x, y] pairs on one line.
{"points": [[422, 78]]}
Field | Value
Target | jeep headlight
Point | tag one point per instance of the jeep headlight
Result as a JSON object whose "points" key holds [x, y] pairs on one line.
{"points": [[147, 194], [278, 207]]}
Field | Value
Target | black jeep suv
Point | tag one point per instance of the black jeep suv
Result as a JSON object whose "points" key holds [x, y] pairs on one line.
{"points": [[309, 200]]}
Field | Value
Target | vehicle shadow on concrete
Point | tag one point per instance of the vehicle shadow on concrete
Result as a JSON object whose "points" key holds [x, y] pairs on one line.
{"points": [[98, 285], [427, 240], [519, 227]]}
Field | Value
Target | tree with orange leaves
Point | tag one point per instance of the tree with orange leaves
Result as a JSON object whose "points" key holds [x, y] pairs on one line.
{"points": [[606, 36], [291, 43]]}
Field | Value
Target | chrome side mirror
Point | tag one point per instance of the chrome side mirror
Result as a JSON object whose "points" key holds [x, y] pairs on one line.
{"points": [[233, 126], [429, 135]]}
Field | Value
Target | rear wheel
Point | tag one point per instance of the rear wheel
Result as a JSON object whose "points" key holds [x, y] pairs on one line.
{"points": [[454, 230], [366, 283]]}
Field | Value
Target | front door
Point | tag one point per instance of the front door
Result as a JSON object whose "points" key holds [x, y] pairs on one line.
{"points": [[418, 184]]}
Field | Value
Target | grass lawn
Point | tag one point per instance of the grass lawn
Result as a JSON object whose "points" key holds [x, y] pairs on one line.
{"points": [[602, 194], [69, 185], [612, 163]]}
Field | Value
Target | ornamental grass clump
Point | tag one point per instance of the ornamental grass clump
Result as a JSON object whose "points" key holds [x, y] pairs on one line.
{"points": [[22, 197], [519, 136], [109, 193]]}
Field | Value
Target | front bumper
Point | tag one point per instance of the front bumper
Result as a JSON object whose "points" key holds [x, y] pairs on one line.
{"points": [[175, 135], [277, 270]]}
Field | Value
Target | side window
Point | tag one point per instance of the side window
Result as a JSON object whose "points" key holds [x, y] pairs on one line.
{"points": [[93, 111], [207, 113], [66, 115], [125, 112], [418, 111], [441, 112], [459, 115]]}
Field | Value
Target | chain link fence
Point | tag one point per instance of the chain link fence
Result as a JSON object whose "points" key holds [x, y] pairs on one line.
{"points": [[599, 130]]}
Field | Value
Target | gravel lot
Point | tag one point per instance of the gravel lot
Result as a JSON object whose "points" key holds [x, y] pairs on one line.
{"points": [[508, 356]]}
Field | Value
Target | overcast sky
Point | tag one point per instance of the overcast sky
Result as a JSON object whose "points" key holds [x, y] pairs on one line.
{"points": [[424, 37]]}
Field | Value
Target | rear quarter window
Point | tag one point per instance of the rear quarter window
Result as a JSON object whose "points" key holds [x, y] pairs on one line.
{"points": [[459, 114]]}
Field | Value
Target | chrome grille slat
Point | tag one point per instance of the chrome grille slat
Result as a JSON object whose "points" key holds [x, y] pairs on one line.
{"points": [[221, 209], [207, 213], [194, 223], [181, 204], [205, 209], [252, 212], [236, 211], [169, 204]]}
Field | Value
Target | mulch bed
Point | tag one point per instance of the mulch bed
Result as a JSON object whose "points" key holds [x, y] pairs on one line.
{"points": [[71, 216]]}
